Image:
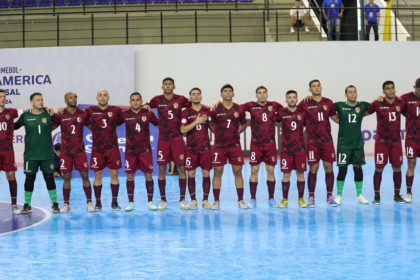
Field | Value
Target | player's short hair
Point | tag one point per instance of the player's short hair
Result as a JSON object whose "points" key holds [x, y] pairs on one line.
{"points": [[417, 83], [68, 93], [350, 86], [102, 90], [226, 86], [136, 93], [291, 92], [2, 90], [168, 79], [314, 81], [57, 147], [195, 88], [387, 83], [34, 94], [260, 87]]}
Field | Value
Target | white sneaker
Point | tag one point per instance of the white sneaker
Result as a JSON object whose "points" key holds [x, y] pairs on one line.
{"points": [[162, 205], [242, 204], [130, 207], [15, 209], [408, 198], [307, 29], [193, 205], [216, 205], [65, 208], [206, 204], [183, 205], [338, 199], [362, 200], [292, 30], [90, 207]]}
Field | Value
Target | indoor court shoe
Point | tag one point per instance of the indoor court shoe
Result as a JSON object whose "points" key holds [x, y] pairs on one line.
{"points": [[55, 208], [398, 199], [183, 205], [216, 205], [98, 206], [311, 202], [205, 204], [152, 206], [283, 203], [362, 200], [242, 205], [193, 205], [90, 207], [27, 209], [65, 208], [15, 209], [302, 203], [377, 199], [272, 203], [115, 206], [162, 205], [408, 198], [253, 203], [338, 199], [331, 201], [130, 207]]}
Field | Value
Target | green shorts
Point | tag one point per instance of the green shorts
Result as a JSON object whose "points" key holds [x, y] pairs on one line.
{"points": [[350, 156], [32, 166]]}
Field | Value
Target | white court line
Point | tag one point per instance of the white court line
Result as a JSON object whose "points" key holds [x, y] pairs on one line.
{"points": [[46, 218]]}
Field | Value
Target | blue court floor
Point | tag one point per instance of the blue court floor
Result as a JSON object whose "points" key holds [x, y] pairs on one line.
{"points": [[348, 242]]}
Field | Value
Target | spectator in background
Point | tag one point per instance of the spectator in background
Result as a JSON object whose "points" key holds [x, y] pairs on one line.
{"points": [[372, 17], [298, 17], [332, 11]]}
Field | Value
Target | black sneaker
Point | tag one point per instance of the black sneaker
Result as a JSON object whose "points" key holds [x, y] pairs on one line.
{"points": [[55, 208], [27, 209], [115, 206], [377, 199], [98, 206], [398, 199]]}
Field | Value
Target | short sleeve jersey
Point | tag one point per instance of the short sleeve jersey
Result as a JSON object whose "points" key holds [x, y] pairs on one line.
{"points": [[104, 124], [412, 116], [6, 129], [169, 112], [197, 138], [292, 126], [226, 125]]}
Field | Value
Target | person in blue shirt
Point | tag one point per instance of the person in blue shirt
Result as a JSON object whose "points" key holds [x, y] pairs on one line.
{"points": [[372, 17], [332, 11]]}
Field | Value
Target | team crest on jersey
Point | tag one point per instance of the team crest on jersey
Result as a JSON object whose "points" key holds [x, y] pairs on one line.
{"points": [[270, 108], [52, 166], [398, 108], [110, 114], [325, 107], [7, 117], [44, 120], [236, 114], [357, 110], [176, 105], [79, 119], [299, 117], [181, 157]]}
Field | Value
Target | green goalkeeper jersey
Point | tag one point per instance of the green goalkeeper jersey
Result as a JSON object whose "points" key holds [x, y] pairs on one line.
{"points": [[38, 140], [350, 124]]}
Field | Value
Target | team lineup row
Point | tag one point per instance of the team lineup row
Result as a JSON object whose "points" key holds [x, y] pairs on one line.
{"points": [[180, 116]]}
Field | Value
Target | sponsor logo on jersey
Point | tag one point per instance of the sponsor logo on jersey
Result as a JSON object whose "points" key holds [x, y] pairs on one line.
{"points": [[357, 110], [44, 120], [184, 121], [176, 105], [129, 119], [110, 114], [236, 114]]}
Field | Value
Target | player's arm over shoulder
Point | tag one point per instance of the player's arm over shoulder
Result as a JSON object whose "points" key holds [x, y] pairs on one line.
{"points": [[20, 122]]}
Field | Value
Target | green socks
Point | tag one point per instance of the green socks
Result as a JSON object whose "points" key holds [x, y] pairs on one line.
{"points": [[53, 195], [359, 186], [340, 187], [28, 197]]}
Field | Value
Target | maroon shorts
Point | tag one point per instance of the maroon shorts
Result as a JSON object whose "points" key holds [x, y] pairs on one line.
{"points": [[143, 162], [412, 149], [110, 159], [292, 162], [232, 155], [263, 153], [171, 151], [200, 159], [324, 152], [383, 152], [7, 161], [79, 162]]}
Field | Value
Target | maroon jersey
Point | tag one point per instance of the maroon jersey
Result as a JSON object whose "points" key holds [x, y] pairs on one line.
{"points": [[388, 120], [104, 127], [197, 138], [317, 122], [7, 128], [292, 125], [226, 125], [71, 126], [169, 115], [412, 116], [263, 121], [137, 131]]}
